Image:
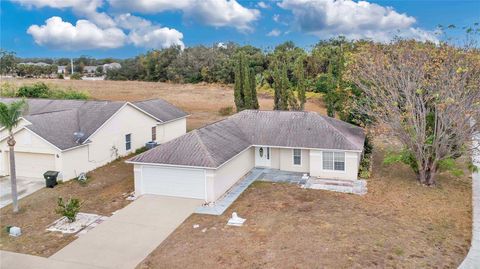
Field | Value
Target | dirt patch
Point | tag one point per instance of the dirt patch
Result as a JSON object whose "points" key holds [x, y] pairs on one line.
{"points": [[202, 101], [102, 195], [398, 224]]}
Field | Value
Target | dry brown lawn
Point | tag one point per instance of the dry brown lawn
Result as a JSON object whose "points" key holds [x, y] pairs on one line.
{"points": [[202, 101], [398, 224], [103, 194]]}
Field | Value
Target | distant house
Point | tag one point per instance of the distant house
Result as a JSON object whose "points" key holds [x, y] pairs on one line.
{"points": [[109, 66], [206, 162], [90, 69], [73, 136], [61, 69], [36, 64]]}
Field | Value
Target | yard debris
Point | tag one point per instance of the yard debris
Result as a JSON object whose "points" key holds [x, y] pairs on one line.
{"points": [[131, 197], [195, 226], [63, 225], [15, 231], [204, 230], [235, 220]]}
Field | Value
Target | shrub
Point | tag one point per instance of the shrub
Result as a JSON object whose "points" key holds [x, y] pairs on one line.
{"points": [[76, 76], [60, 76], [226, 111], [140, 150], [69, 208], [37, 90]]}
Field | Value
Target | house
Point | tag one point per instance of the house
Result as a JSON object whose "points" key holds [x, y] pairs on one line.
{"points": [[207, 162], [110, 66], [90, 69], [62, 69], [72, 136]]}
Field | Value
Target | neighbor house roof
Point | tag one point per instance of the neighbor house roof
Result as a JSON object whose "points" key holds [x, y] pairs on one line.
{"points": [[214, 144], [56, 121]]}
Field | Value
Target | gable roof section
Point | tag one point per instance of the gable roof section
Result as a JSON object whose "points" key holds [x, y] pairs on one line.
{"points": [[214, 144], [160, 109], [57, 120]]}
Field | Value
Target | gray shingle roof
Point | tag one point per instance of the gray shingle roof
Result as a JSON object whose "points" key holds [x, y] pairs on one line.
{"points": [[161, 109], [214, 144], [57, 120]]}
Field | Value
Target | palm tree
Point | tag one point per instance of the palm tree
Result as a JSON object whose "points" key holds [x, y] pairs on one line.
{"points": [[9, 118]]}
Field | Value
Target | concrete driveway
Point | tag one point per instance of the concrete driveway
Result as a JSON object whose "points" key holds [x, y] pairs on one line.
{"points": [[25, 186], [126, 238]]}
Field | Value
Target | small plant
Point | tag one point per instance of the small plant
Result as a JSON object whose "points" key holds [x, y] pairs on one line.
{"points": [[140, 150], [226, 111], [69, 208]]}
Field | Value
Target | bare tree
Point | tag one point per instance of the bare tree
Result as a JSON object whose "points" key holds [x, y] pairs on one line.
{"points": [[427, 94]]}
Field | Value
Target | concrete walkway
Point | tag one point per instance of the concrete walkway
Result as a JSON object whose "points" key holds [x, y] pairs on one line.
{"points": [[126, 238], [12, 260], [472, 261], [25, 186]]}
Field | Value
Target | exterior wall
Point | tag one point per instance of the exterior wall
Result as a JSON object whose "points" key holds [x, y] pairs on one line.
{"points": [[109, 142], [228, 174], [171, 130], [275, 156], [286, 160], [351, 166], [21, 123], [26, 142]]}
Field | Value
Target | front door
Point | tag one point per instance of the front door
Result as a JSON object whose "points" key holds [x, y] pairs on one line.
{"points": [[262, 157]]}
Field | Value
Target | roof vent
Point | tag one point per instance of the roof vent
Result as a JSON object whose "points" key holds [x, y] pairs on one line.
{"points": [[78, 136]]}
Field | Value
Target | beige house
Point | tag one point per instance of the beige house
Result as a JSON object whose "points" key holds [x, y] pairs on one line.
{"points": [[207, 162], [73, 137]]}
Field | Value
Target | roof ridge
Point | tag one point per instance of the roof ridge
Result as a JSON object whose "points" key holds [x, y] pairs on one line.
{"points": [[52, 111], [337, 131], [204, 148]]}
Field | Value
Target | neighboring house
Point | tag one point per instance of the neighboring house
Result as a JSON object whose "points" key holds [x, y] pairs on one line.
{"points": [[73, 136], [109, 66], [205, 163], [90, 69], [61, 69]]}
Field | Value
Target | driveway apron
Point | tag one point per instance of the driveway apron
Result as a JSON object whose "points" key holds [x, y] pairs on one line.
{"points": [[126, 238]]}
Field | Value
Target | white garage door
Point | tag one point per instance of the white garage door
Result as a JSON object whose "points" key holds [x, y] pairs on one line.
{"points": [[179, 182], [33, 164]]}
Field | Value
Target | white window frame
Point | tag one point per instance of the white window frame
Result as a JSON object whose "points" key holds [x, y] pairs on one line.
{"points": [[333, 161], [128, 143], [293, 157]]}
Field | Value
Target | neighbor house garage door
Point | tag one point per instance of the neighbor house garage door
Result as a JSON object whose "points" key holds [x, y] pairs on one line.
{"points": [[33, 164], [179, 182]]}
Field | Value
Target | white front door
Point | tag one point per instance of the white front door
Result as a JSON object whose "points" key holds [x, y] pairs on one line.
{"points": [[263, 157]]}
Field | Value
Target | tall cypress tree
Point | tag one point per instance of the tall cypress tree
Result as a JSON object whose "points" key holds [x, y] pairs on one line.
{"points": [[300, 76], [238, 90], [245, 91]]}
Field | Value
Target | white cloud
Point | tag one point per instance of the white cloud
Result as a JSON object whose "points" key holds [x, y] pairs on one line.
{"points": [[218, 13], [355, 20], [276, 18], [143, 33], [262, 4], [57, 33], [274, 32], [84, 8]]}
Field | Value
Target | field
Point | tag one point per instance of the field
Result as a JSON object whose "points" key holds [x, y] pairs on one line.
{"points": [[202, 101]]}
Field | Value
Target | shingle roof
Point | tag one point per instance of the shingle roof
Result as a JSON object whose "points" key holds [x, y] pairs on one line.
{"points": [[161, 109], [214, 144], [57, 120]]}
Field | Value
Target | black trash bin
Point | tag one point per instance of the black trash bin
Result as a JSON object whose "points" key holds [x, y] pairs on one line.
{"points": [[50, 178]]}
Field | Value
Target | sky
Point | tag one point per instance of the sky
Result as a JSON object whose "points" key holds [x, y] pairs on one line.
{"points": [[124, 28]]}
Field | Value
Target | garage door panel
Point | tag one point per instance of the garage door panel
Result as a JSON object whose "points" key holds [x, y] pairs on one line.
{"points": [[33, 164], [179, 182]]}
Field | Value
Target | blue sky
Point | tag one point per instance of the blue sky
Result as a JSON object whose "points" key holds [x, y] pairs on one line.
{"points": [[121, 28]]}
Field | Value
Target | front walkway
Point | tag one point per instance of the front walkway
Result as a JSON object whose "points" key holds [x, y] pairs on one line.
{"points": [[25, 186], [472, 260], [126, 238], [13, 260]]}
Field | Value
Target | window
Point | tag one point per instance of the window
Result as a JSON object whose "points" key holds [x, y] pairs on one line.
{"points": [[297, 157], [128, 141], [333, 161], [154, 133]]}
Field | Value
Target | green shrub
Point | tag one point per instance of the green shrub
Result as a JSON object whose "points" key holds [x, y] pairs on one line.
{"points": [[60, 76], [76, 76], [140, 150], [226, 111], [37, 90], [69, 208]]}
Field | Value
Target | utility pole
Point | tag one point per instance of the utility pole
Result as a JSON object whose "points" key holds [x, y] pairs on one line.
{"points": [[71, 66]]}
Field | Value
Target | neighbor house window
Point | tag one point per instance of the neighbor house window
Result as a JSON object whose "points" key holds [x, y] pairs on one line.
{"points": [[128, 141], [154, 133], [333, 161], [297, 156]]}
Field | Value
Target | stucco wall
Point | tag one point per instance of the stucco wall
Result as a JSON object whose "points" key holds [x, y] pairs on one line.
{"points": [[228, 174], [170, 130], [286, 160], [275, 157], [351, 166]]}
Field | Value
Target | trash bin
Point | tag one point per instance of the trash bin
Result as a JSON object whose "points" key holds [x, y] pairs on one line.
{"points": [[50, 178]]}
